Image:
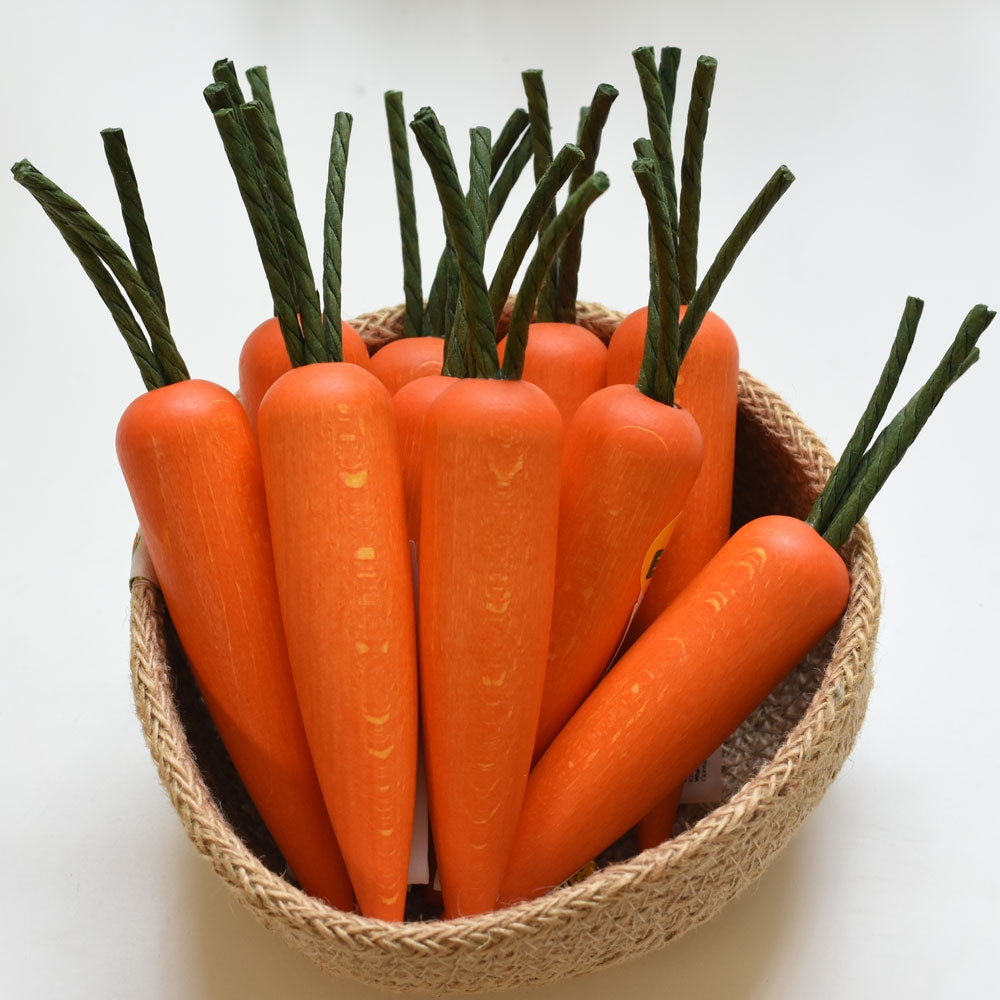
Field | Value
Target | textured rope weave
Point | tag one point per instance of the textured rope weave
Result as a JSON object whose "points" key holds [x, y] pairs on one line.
{"points": [[777, 767]]}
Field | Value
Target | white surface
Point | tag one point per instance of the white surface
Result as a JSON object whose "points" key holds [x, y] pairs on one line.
{"points": [[887, 113]]}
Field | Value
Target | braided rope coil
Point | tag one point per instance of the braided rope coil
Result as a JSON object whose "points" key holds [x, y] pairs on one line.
{"points": [[777, 767]]}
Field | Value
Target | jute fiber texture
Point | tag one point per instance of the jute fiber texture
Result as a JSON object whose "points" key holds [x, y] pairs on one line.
{"points": [[777, 767]]}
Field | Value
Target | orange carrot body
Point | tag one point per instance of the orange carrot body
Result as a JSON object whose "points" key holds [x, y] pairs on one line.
{"points": [[264, 357], [401, 361], [567, 361], [192, 468], [331, 470], [487, 564], [628, 465], [411, 403], [754, 611]]}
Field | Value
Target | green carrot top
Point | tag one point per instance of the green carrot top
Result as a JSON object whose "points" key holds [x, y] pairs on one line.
{"points": [[128, 289], [673, 222], [861, 473]]}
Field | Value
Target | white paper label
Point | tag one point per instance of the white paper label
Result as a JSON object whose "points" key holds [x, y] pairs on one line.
{"points": [[142, 565], [705, 784]]}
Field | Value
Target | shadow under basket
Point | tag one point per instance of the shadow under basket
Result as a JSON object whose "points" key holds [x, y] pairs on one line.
{"points": [[776, 768]]}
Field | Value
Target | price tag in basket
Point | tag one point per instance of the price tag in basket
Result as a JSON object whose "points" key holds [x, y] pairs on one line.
{"points": [[705, 783]]}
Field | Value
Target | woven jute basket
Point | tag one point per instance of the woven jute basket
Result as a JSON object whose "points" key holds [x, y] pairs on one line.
{"points": [[777, 767]]}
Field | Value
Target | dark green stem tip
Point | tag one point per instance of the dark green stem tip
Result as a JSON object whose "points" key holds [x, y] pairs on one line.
{"points": [[21, 169]]}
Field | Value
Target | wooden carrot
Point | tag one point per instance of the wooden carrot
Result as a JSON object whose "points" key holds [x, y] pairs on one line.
{"points": [[491, 455], [335, 500], [487, 562], [191, 465], [756, 608], [334, 494], [629, 461]]}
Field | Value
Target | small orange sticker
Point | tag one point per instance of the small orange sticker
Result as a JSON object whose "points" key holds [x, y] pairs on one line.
{"points": [[653, 554]]}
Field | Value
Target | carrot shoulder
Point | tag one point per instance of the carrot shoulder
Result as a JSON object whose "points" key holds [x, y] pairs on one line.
{"points": [[752, 613]]}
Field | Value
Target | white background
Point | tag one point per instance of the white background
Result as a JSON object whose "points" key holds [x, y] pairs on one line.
{"points": [[888, 114]]}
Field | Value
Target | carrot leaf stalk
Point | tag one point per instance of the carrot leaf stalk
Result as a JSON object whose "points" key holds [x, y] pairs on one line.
{"points": [[289, 230], [506, 167], [508, 175], [690, 193], [552, 238], [260, 213], [888, 449], [541, 139], [478, 200], [847, 466], [107, 288], [658, 118], [260, 88], [84, 234], [730, 250], [333, 225], [510, 132], [591, 127], [670, 60], [133, 214], [478, 195], [560, 170], [662, 355], [224, 73], [466, 239], [643, 148], [407, 209]]}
